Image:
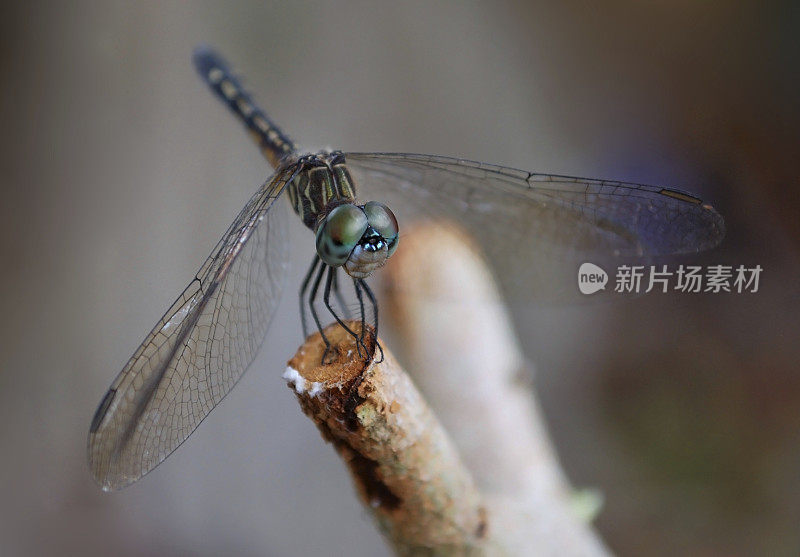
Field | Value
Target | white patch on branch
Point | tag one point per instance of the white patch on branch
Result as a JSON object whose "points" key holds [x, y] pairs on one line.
{"points": [[300, 384]]}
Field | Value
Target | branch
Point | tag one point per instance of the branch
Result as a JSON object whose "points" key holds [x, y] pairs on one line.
{"points": [[406, 470]]}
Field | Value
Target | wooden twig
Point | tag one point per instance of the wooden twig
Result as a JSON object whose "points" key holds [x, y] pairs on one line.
{"points": [[406, 470]]}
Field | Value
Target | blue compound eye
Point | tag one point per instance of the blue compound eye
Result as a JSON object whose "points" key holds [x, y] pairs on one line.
{"points": [[338, 235], [382, 219]]}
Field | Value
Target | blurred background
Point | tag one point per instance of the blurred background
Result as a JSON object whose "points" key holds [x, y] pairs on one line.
{"points": [[120, 171]]}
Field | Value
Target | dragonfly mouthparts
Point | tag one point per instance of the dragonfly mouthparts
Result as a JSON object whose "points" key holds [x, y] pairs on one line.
{"points": [[366, 257], [372, 241]]}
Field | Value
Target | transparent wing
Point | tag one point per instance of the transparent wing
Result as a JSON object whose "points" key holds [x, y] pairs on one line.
{"points": [[198, 351], [536, 229]]}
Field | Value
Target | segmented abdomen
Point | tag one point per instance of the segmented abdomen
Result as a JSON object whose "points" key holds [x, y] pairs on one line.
{"points": [[270, 139]]}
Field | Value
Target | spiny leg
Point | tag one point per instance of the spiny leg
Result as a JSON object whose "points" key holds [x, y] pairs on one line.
{"points": [[303, 290], [338, 293], [357, 285], [311, 299], [360, 298], [374, 303], [326, 297]]}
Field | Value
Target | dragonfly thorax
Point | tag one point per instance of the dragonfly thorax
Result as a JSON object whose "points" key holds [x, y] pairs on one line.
{"points": [[321, 181]]}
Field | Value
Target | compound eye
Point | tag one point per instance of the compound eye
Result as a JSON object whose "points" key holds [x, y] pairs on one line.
{"points": [[382, 219], [338, 235]]}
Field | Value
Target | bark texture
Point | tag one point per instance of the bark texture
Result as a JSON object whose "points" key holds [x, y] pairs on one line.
{"points": [[406, 470]]}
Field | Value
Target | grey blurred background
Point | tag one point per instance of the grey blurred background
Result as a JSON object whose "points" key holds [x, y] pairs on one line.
{"points": [[119, 172]]}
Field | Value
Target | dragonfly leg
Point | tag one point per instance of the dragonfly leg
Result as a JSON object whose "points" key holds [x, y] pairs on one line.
{"points": [[311, 300], [363, 284], [360, 297], [303, 290], [338, 293], [326, 297]]}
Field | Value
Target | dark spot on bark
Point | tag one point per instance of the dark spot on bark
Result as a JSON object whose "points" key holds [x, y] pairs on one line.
{"points": [[350, 405], [376, 492], [483, 524], [326, 432]]}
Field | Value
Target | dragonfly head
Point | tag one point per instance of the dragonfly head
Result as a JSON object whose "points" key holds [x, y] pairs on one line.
{"points": [[359, 238]]}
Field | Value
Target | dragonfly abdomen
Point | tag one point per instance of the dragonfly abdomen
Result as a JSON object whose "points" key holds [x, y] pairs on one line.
{"points": [[274, 144]]}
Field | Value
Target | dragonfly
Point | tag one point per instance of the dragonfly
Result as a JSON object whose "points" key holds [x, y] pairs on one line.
{"points": [[534, 230]]}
